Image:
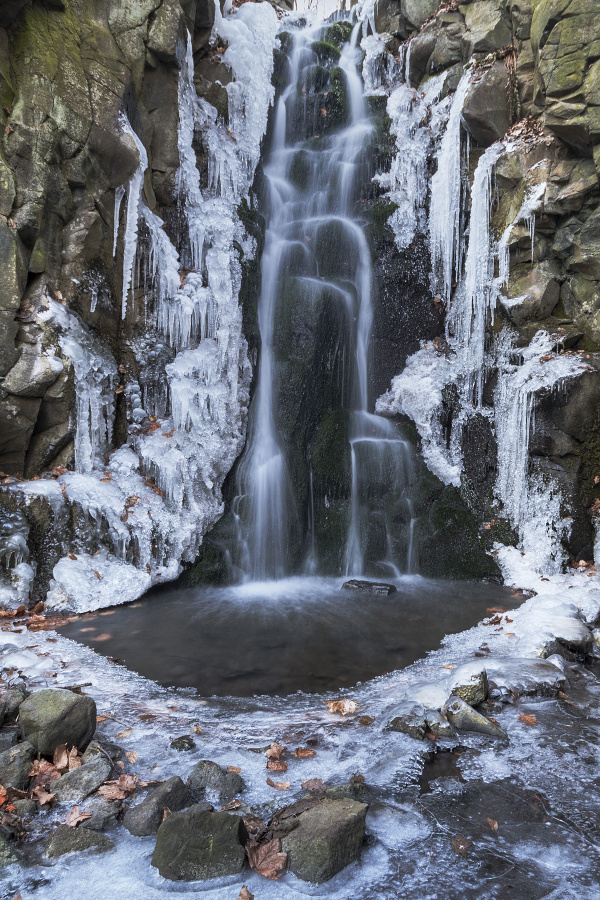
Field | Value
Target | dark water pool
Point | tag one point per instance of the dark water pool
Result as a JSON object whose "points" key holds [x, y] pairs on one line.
{"points": [[301, 634]]}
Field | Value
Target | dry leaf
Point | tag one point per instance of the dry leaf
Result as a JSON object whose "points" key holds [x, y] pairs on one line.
{"points": [[43, 797], [267, 859], [460, 844], [119, 789], [75, 817], [234, 770], [366, 720], [448, 666], [344, 707], [276, 765], [61, 758], [102, 718], [280, 785], [315, 785], [132, 756], [527, 720], [124, 734], [275, 751], [304, 752], [492, 823], [196, 729], [233, 804], [245, 894], [43, 773]]}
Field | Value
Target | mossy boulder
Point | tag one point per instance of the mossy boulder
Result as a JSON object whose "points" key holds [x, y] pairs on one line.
{"points": [[55, 716], [74, 840], [198, 844]]}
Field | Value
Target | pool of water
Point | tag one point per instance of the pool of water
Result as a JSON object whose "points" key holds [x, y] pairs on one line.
{"points": [[299, 634]]}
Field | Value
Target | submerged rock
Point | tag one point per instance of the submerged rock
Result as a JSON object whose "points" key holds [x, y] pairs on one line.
{"points": [[185, 742], [208, 776], [464, 718], [54, 716], [371, 587], [73, 840], [146, 817], [417, 721], [328, 838], [199, 844]]}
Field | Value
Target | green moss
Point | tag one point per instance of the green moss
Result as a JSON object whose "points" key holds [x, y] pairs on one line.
{"points": [[337, 103], [327, 54], [300, 170], [378, 230], [338, 34], [330, 452]]}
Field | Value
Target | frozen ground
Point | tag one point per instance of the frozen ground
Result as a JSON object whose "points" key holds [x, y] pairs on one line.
{"points": [[540, 787]]}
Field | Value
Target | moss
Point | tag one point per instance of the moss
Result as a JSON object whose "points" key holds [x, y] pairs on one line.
{"points": [[300, 170], [316, 79], [337, 101], [327, 54], [378, 229], [330, 452], [338, 34]]}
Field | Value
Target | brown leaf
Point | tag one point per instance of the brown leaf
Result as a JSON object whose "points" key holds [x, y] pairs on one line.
{"points": [[460, 844], [234, 770], [119, 789], [280, 785], [124, 734], [266, 859], [102, 718], [132, 756], [245, 894], [43, 797], [276, 765], [527, 720], [344, 707], [315, 785], [275, 751], [196, 729], [43, 773], [233, 804], [304, 752], [61, 758], [492, 823], [366, 720], [75, 817], [323, 111]]}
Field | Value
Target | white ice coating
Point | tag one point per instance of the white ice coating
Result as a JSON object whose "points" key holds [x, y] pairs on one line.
{"points": [[134, 198]]}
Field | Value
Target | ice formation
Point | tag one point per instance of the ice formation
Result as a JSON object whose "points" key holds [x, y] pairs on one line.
{"points": [[143, 509]]}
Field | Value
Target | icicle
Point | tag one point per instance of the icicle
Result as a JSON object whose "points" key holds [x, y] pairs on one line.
{"points": [[119, 194], [134, 198]]}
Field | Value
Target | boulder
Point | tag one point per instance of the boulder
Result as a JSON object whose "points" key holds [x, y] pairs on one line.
{"points": [[328, 838], [104, 814], [199, 844], [470, 684], [12, 700], [185, 742], [464, 718], [208, 776], [104, 749], [146, 817], [370, 587], [75, 786], [487, 30], [54, 716], [73, 840], [15, 765], [487, 111], [8, 737], [532, 295], [416, 721], [7, 856]]}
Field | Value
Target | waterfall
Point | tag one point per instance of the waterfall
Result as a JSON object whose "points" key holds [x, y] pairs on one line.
{"points": [[301, 219]]}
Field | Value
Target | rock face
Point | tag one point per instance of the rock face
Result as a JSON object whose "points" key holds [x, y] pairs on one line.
{"points": [[146, 817], [52, 717], [464, 718], [75, 786], [73, 840], [328, 838], [208, 776], [198, 844], [15, 764]]}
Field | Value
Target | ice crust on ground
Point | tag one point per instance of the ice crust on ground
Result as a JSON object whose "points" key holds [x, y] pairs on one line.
{"points": [[144, 510]]}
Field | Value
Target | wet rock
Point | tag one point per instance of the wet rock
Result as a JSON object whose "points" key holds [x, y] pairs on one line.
{"points": [[487, 30], [25, 808], [532, 295], [8, 737], [73, 840], [525, 676], [352, 790], [487, 109], [75, 786], [410, 720], [199, 844], [370, 587], [106, 749], [12, 700], [104, 814], [54, 716], [470, 684], [464, 718], [328, 838], [208, 776], [184, 742], [146, 817], [15, 765], [438, 725], [7, 855]]}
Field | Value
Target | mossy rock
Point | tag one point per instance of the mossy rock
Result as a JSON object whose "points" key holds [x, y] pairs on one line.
{"points": [[338, 34], [327, 54]]}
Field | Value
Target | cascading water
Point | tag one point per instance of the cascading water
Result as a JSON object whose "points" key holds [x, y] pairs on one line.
{"points": [[316, 242]]}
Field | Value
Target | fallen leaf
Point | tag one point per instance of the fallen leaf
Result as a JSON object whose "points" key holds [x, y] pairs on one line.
{"points": [[75, 817], [492, 823], [323, 111], [245, 894], [234, 770], [43, 773], [527, 720], [562, 695], [304, 752], [124, 734], [275, 751], [102, 637], [196, 729], [43, 797], [357, 779], [233, 804], [494, 721], [344, 707], [72, 556], [460, 844], [366, 720], [266, 859], [132, 756], [314, 785], [448, 666], [119, 789], [102, 718], [280, 785], [61, 757], [276, 765]]}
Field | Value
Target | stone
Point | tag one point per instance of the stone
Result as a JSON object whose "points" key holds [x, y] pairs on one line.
{"points": [[351, 790], [470, 683], [25, 808], [12, 699], [54, 716], [410, 720], [464, 718], [104, 814], [418, 11], [487, 108], [438, 725], [104, 749], [371, 587], [15, 765], [208, 776], [75, 786], [73, 840], [146, 817], [487, 30], [7, 855], [533, 294], [167, 29], [328, 838], [198, 844], [185, 742], [8, 737], [586, 256]]}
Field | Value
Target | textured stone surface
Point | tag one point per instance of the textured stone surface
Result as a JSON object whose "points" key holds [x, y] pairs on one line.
{"points": [[208, 776], [73, 840], [75, 786], [146, 817], [15, 764], [198, 844], [54, 716]]}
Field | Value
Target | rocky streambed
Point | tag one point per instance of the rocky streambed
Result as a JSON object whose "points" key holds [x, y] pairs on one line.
{"points": [[470, 774]]}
